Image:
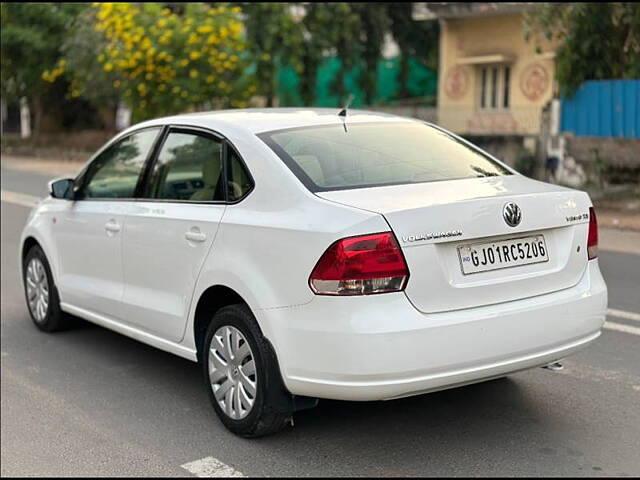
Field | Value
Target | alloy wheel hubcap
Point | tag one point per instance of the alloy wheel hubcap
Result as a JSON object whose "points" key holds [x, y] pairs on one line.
{"points": [[232, 372], [37, 289]]}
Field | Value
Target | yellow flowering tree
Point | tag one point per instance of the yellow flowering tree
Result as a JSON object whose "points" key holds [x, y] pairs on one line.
{"points": [[170, 60]]}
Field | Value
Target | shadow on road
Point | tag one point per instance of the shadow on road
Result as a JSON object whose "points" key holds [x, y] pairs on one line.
{"points": [[506, 426], [458, 415]]}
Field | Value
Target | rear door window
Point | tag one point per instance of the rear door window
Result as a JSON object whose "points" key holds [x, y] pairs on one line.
{"points": [[239, 181], [188, 168]]}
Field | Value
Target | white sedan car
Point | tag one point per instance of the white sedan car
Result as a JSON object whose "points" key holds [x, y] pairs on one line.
{"points": [[299, 254]]}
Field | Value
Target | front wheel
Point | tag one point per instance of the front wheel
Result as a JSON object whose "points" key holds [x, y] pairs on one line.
{"points": [[41, 293], [241, 375]]}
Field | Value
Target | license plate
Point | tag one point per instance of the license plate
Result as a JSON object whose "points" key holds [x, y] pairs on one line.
{"points": [[513, 252]]}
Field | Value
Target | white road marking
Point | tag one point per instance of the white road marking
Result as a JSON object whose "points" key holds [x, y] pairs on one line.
{"points": [[211, 467], [622, 314], [19, 198], [621, 327]]}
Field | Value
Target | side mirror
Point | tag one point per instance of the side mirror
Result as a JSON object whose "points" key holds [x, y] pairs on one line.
{"points": [[62, 188]]}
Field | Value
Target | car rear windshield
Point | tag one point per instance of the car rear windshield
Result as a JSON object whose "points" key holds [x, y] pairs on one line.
{"points": [[374, 154]]}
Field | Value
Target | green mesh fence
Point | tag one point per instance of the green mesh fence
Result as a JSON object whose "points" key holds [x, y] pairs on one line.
{"points": [[422, 82]]}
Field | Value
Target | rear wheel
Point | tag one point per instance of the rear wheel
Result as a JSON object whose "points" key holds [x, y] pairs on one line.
{"points": [[41, 293], [240, 374]]}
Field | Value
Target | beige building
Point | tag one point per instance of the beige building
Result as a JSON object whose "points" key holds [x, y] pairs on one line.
{"points": [[492, 82]]}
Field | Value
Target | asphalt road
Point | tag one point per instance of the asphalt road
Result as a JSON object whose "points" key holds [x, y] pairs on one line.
{"points": [[90, 402]]}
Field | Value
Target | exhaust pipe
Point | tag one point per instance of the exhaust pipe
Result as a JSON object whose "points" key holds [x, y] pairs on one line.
{"points": [[554, 367]]}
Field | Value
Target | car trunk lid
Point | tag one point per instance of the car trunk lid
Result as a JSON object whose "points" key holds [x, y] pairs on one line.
{"points": [[431, 220]]}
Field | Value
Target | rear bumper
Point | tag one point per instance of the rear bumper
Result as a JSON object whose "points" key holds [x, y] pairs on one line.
{"points": [[380, 347]]}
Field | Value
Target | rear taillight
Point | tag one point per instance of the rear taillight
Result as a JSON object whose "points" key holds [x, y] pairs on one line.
{"points": [[361, 265], [592, 239]]}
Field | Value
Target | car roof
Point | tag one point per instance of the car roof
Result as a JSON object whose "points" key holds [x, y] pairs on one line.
{"points": [[258, 120]]}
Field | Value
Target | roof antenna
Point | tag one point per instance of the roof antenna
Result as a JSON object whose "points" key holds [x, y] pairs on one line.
{"points": [[343, 112]]}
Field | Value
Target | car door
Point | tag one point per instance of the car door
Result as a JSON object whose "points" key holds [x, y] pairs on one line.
{"points": [[89, 231], [170, 231]]}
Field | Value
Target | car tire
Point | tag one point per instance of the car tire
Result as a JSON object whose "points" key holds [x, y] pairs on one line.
{"points": [[229, 382], [41, 293]]}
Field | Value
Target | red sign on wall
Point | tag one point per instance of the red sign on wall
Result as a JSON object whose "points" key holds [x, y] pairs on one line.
{"points": [[456, 83], [534, 81]]}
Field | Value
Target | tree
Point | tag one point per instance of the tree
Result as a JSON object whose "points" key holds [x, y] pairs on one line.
{"points": [[167, 60], [355, 32], [31, 38], [347, 45], [375, 24], [274, 39], [596, 40], [318, 40], [304, 35], [419, 39], [80, 51]]}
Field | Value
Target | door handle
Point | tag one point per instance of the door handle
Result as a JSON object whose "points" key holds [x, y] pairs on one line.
{"points": [[195, 235], [112, 226]]}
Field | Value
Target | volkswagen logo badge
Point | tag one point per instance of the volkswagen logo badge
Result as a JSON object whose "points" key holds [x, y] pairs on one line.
{"points": [[512, 214]]}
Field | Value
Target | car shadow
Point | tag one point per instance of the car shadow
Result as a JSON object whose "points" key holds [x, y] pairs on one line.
{"points": [[375, 438], [465, 405]]}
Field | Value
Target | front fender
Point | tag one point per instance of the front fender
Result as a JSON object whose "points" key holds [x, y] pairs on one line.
{"points": [[39, 226]]}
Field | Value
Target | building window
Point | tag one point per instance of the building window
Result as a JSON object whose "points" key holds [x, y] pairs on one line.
{"points": [[494, 92], [494, 87], [505, 87], [483, 88]]}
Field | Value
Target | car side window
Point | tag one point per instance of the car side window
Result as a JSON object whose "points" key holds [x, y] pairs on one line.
{"points": [[239, 181], [189, 167], [115, 172]]}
